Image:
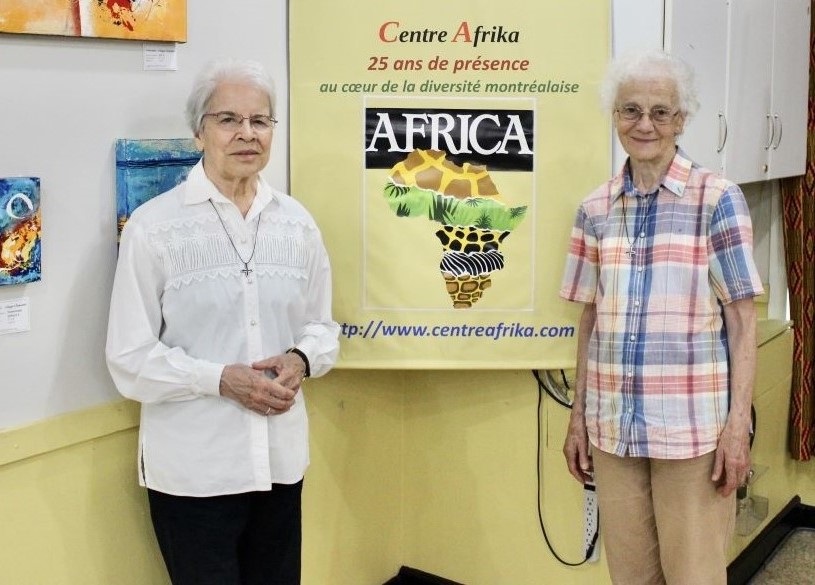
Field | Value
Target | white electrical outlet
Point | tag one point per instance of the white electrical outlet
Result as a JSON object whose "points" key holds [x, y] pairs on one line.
{"points": [[591, 524]]}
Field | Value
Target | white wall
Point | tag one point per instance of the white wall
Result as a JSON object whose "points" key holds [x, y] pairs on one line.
{"points": [[63, 103]]}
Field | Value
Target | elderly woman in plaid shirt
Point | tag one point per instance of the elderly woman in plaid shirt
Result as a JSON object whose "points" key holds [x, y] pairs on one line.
{"points": [[661, 258]]}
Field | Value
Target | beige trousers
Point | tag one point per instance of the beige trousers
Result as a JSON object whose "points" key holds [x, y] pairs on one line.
{"points": [[662, 521]]}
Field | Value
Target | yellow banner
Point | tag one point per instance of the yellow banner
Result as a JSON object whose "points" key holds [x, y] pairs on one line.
{"points": [[443, 148]]}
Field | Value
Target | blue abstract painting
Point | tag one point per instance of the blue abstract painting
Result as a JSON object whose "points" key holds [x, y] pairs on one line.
{"points": [[20, 221], [146, 168]]}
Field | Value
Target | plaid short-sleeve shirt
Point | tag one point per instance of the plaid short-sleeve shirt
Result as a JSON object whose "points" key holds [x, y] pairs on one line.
{"points": [[659, 267]]}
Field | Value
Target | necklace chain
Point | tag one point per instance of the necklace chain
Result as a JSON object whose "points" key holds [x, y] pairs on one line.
{"points": [[246, 270], [652, 197]]}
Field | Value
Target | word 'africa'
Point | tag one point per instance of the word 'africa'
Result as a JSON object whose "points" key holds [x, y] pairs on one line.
{"points": [[461, 134]]}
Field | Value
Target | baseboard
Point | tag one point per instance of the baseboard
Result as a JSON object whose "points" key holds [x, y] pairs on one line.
{"points": [[408, 576], [752, 558], [65, 430]]}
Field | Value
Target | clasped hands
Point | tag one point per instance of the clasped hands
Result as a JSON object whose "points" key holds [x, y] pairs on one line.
{"points": [[266, 387]]}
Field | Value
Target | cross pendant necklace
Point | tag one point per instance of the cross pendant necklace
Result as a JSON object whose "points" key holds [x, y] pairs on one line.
{"points": [[246, 270], [638, 231]]}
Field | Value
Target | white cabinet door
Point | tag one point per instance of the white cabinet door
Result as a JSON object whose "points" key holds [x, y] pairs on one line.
{"points": [[751, 62], [696, 32], [791, 87], [748, 91]]}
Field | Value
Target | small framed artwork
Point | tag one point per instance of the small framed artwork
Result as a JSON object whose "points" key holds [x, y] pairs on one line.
{"points": [[20, 222], [146, 168]]}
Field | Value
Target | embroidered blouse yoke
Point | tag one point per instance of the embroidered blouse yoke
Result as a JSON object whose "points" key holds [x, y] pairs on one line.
{"points": [[657, 382], [182, 309]]}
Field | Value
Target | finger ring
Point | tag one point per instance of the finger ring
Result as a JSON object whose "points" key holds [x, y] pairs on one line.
{"points": [[268, 410]]}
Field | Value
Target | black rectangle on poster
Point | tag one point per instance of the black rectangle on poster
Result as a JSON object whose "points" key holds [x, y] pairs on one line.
{"points": [[496, 138]]}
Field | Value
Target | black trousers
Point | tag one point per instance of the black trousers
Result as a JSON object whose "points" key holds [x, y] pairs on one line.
{"points": [[243, 539]]}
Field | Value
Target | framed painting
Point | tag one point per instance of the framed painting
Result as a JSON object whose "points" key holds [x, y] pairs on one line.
{"points": [[146, 168], [20, 221], [150, 20]]}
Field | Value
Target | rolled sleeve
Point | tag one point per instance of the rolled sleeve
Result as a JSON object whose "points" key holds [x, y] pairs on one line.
{"points": [[733, 272], [580, 276]]}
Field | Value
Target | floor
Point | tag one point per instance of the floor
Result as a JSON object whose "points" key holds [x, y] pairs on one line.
{"points": [[793, 562]]}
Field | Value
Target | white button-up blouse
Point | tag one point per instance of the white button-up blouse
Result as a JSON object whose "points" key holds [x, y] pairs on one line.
{"points": [[183, 308]]}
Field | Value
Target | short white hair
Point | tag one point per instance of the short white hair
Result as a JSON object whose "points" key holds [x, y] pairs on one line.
{"points": [[650, 65], [214, 74]]}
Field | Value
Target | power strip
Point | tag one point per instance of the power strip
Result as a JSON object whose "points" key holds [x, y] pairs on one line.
{"points": [[591, 524]]}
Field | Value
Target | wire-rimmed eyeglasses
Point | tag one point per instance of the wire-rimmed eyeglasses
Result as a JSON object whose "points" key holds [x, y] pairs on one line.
{"points": [[232, 122], [658, 114]]}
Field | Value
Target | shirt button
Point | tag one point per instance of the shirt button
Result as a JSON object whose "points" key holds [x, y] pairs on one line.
{"points": [[632, 337], [636, 303], [642, 234], [639, 268], [630, 373], [630, 409], [253, 322]]}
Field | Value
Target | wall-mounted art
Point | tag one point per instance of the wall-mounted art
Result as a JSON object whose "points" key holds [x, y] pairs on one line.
{"points": [[146, 168], [20, 221], [154, 20]]}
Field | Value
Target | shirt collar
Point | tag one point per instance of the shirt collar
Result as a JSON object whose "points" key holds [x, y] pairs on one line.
{"points": [[675, 180], [200, 189]]}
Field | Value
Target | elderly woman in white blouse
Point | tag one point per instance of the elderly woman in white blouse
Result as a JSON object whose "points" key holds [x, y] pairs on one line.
{"points": [[221, 307]]}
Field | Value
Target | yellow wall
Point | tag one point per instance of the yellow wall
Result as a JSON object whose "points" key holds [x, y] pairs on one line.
{"points": [[470, 489], [70, 512], [433, 470], [352, 520], [782, 477]]}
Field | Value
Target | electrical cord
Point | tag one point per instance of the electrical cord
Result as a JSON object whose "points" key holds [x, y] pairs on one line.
{"points": [[753, 421], [542, 387], [556, 392]]}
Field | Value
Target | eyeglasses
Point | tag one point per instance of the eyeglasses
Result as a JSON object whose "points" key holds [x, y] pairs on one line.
{"points": [[658, 115], [232, 122]]}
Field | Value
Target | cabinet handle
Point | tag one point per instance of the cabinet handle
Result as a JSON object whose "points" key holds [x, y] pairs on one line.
{"points": [[777, 118], [722, 135], [770, 132]]}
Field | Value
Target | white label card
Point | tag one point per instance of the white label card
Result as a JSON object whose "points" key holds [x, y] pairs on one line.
{"points": [[15, 316], [160, 57]]}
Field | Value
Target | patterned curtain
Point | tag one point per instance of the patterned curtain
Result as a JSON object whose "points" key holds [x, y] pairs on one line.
{"points": [[798, 197]]}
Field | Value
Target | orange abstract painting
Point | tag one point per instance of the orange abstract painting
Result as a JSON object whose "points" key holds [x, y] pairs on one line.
{"points": [[155, 20]]}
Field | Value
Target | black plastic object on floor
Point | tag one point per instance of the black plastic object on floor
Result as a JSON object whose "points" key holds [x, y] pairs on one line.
{"points": [[751, 560], [408, 576]]}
